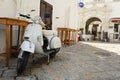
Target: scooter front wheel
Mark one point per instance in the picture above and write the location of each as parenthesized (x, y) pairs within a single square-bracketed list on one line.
[(22, 62)]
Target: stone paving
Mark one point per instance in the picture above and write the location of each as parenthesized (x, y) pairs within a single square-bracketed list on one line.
[(83, 61)]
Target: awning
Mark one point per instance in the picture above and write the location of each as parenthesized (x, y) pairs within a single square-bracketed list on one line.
[(115, 20)]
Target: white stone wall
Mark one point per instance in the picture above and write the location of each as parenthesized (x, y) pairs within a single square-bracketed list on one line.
[(103, 11)]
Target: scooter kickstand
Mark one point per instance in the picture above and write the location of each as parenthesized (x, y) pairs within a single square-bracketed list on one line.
[(48, 59)]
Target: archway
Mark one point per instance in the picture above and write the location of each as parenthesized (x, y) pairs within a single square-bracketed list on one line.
[(95, 24)]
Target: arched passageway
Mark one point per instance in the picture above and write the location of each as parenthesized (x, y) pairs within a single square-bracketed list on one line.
[(92, 25)]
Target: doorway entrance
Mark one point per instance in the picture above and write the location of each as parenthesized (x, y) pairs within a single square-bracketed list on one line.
[(46, 13), (94, 30), (117, 31)]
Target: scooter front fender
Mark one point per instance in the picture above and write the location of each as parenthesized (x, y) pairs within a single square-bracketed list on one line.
[(28, 46)]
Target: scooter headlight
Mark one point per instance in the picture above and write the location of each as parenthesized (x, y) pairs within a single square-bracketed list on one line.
[(37, 19)]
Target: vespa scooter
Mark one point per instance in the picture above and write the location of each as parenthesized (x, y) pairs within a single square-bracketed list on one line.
[(37, 41)]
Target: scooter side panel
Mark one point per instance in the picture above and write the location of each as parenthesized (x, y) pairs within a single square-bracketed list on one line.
[(55, 43)]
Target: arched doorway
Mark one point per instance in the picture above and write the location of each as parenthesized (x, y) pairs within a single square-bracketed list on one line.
[(92, 25)]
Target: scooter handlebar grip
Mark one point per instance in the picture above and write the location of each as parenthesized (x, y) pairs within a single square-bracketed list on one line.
[(26, 16)]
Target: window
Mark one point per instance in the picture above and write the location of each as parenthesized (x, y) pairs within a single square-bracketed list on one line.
[(46, 13)]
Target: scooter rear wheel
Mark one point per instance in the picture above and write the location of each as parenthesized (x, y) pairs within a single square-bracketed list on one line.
[(22, 62), (52, 55)]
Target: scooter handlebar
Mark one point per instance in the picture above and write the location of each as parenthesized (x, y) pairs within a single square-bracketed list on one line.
[(26, 16)]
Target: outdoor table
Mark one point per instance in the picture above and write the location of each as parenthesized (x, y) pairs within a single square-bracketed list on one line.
[(9, 22)]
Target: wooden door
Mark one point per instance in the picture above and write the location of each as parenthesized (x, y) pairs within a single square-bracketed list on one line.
[(46, 13), (94, 30)]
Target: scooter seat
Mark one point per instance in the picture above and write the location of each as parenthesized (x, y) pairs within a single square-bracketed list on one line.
[(49, 32)]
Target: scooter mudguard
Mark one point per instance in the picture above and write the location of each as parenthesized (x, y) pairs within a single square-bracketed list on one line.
[(28, 46)]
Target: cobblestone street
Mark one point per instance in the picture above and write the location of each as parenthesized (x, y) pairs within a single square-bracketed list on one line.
[(83, 61)]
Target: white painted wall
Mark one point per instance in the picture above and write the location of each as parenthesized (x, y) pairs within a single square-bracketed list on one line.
[(50, 1), (7, 9), (25, 7), (66, 10), (61, 10), (114, 14), (73, 17), (115, 9)]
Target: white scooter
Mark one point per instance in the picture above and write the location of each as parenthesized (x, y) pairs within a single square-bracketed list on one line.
[(38, 41)]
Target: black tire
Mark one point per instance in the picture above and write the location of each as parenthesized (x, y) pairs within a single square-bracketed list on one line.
[(22, 62), (52, 55)]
